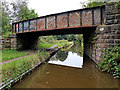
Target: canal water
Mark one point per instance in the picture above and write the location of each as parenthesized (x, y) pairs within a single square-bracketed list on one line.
[(68, 69)]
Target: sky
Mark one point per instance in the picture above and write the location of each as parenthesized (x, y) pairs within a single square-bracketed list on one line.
[(46, 7)]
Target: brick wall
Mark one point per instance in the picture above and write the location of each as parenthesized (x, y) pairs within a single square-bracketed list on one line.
[(13, 41), (105, 36), (112, 14), (4, 43)]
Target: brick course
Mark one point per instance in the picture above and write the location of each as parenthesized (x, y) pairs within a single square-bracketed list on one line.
[(103, 41)]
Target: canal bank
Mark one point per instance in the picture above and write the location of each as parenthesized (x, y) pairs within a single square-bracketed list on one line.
[(55, 75), (9, 79)]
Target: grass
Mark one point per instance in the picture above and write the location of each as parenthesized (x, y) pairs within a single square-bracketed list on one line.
[(63, 43), (59, 43), (44, 45), (11, 54), (16, 68)]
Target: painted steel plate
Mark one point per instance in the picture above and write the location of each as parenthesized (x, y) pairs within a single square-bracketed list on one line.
[(26, 25), (62, 21), (17, 28), (50, 22), (33, 25), (87, 18), (41, 24), (20, 27), (74, 19)]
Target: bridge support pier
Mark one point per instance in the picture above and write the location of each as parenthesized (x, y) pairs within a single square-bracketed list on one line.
[(105, 36), (24, 42)]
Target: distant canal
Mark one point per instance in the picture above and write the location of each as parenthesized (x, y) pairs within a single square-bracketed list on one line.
[(68, 69)]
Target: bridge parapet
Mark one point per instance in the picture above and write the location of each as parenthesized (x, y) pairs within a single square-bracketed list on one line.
[(112, 13), (72, 19)]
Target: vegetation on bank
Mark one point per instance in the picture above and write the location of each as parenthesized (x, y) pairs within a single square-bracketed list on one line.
[(111, 61), (14, 69), (76, 38), (49, 41), (11, 54)]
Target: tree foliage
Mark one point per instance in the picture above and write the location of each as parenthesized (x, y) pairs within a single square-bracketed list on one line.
[(21, 10), (92, 3), (15, 11), (77, 39), (5, 18)]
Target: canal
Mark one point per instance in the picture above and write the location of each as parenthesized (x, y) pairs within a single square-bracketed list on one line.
[(68, 69)]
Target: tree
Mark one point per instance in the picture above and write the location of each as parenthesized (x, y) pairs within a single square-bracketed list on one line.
[(21, 10), (5, 18), (92, 3), (15, 11)]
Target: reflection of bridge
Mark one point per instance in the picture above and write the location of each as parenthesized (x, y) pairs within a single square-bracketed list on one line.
[(83, 21), (87, 17)]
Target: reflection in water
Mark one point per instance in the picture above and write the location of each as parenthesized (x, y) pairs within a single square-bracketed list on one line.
[(72, 60), (68, 58), (61, 55), (77, 49), (57, 76)]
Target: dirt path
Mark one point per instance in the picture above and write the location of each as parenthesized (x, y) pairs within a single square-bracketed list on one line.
[(15, 59), (52, 48), (24, 56)]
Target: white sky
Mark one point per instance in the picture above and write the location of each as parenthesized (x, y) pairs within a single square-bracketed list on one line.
[(46, 7)]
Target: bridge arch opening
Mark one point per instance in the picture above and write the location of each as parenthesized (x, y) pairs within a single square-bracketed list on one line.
[(31, 40)]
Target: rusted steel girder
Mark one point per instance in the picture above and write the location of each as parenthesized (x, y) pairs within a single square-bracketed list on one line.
[(77, 18)]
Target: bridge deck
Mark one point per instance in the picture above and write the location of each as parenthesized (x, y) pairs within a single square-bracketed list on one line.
[(72, 19)]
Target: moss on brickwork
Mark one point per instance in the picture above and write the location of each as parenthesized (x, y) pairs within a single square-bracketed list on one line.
[(117, 5)]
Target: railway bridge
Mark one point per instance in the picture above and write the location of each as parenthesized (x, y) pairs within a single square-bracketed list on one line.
[(100, 27)]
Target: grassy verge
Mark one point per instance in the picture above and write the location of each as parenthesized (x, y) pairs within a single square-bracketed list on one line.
[(10, 54), (59, 43), (63, 43), (45, 45), (16, 68)]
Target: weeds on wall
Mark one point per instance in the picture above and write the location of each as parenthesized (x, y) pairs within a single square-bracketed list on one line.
[(92, 40), (117, 5), (111, 61)]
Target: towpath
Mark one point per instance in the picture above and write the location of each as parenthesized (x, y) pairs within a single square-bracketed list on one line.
[(51, 48)]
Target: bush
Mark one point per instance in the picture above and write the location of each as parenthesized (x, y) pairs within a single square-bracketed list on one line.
[(111, 61)]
